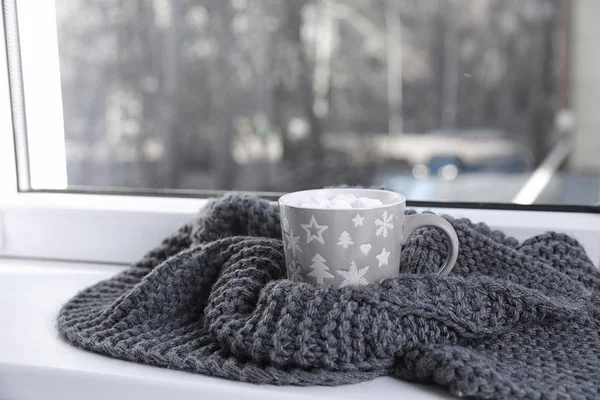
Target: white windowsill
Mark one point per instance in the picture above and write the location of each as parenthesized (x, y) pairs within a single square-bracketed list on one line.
[(120, 229), (35, 363)]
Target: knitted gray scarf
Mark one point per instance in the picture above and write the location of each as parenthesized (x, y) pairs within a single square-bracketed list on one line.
[(513, 320)]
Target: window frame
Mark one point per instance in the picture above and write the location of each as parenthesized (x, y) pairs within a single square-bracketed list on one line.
[(30, 40), (109, 228)]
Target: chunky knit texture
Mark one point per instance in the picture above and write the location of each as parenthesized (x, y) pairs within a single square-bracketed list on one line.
[(513, 320)]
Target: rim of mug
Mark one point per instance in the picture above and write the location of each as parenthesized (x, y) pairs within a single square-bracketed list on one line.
[(285, 199)]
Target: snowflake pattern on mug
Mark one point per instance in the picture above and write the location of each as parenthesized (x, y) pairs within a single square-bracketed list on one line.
[(285, 223), (384, 224), (295, 271), (292, 243), (353, 276)]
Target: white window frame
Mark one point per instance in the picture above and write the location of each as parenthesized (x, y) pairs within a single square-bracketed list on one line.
[(120, 229), (40, 95)]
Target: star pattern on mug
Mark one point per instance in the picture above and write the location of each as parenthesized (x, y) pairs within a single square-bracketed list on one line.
[(383, 257), (314, 231), (358, 220)]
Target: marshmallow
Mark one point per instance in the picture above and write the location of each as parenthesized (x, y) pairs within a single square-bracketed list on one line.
[(347, 198), (365, 202), (342, 201), (317, 202), (322, 202), (336, 203)]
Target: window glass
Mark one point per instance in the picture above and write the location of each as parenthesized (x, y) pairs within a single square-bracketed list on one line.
[(446, 100)]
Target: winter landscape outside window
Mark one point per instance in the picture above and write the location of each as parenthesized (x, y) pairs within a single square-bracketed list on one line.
[(442, 100)]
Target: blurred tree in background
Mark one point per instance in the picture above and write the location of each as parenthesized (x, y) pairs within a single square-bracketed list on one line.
[(248, 94)]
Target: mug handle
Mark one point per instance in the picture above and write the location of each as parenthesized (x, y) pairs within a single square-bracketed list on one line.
[(414, 222)]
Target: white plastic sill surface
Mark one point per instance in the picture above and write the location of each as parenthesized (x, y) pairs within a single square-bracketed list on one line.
[(35, 363)]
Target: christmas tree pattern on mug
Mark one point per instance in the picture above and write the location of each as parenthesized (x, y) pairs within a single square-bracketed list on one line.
[(345, 240), (384, 224), (295, 271), (314, 231), (319, 269), (353, 276)]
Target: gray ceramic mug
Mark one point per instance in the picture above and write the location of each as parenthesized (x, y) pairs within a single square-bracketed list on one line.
[(357, 246)]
